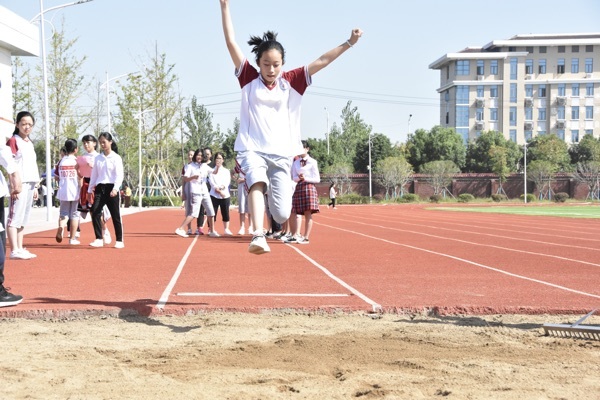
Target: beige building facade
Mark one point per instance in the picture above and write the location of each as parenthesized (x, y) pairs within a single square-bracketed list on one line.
[(525, 86)]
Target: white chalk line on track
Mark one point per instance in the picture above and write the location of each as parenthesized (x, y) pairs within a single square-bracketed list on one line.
[(463, 260), (167, 292)]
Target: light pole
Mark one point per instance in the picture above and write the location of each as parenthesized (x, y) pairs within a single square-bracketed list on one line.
[(409, 117), (139, 116), (46, 106), (108, 96), (369, 168), (525, 172), (327, 131)]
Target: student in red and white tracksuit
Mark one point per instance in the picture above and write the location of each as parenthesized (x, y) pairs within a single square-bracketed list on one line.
[(269, 132)]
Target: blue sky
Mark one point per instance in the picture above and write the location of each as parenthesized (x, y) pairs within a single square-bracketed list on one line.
[(401, 38)]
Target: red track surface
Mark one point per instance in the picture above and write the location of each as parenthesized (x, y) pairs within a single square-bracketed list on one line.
[(396, 258)]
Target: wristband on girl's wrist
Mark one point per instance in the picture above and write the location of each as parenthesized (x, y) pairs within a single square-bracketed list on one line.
[(348, 43)]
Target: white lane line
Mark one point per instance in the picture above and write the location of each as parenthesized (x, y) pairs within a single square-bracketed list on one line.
[(469, 262), (265, 294), (375, 306), (165, 296)]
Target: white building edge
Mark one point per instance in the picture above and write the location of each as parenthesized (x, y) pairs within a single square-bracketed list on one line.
[(525, 86), (18, 37)]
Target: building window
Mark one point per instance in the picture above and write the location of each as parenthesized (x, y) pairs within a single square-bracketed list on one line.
[(529, 114), (462, 116), (560, 67), (541, 91), (575, 65), (493, 114), (575, 90), (529, 67), (528, 90), (541, 114), (529, 49), (542, 49), (462, 67), (512, 48), (561, 134), (513, 92), (562, 89), (528, 135), (447, 117), (513, 68), (512, 116), (589, 112), (541, 66), (589, 90), (575, 112), (589, 65), (494, 91), (480, 91), (462, 94), (480, 67), (561, 49), (589, 132), (448, 72), (575, 135), (479, 114), (464, 132), (513, 135), (447, 96), (575, 49), (560, 112), (589, 48), (494, 67)]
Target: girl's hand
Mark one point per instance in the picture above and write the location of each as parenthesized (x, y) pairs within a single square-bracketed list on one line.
[(355, 35), (113, 193)]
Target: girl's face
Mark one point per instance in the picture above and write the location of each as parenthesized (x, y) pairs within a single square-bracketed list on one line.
[(270, 64), (219, 160), (104, 144), (89, 146), (207, 156), (25, 126), (190, 156), (199, 158)]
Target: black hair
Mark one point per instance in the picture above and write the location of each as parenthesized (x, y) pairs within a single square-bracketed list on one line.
[(90, 138), (198, 151), (70, 146), (267, 42), (109, 137), (20, 116), (220, 153), (305, 144)]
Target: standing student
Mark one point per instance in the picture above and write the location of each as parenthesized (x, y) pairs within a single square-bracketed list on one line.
[(196, 175), (6, 160), (68, 192), (242, 200), (269, 132), (332, 195), (305, 172), (185, 190), (206, 159), (220, 179), (20, 206), (107, 178)]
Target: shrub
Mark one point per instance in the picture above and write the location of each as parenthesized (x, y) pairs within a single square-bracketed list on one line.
[(352, 199), (498, 197), (530, 198), (408, 198), (561, 197), (156, 201), (436, 198), (465, 197)]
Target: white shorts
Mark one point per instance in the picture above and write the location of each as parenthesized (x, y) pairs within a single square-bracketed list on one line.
[(18, 213), (68, 209), (198, 200), (275, 171)]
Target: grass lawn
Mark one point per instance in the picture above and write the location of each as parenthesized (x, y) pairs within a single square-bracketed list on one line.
[(568, 211)]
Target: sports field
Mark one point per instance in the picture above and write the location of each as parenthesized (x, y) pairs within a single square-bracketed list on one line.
[(568, 211), (396, 301)]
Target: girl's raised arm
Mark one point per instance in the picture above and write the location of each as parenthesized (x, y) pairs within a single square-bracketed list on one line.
[(234, 50), (334, 53)]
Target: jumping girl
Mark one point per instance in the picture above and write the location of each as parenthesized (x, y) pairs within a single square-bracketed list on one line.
[(269, 132)]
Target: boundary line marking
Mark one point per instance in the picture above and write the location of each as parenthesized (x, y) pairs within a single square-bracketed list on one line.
[(469, 262), (264, 294), (167, 292), (375, 306)]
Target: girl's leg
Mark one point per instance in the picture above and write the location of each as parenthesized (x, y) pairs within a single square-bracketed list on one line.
[(256, 203), (308, 223), (113, 204)]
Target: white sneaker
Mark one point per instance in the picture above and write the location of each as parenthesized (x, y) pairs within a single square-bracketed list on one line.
[(97, 243), (107, 238), (181, 233), (119, 245), (19, 255), (241, 231), (227, 232), (27, 253), (77, 234), (74, 241), (259, 245), (214, 234)]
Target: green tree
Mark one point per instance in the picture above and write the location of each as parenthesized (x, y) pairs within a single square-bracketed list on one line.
[(23, 89), (541, 173), (588, 149), (552, 149), (439, 144), (381, 148), (588, 173), (394, 173), (479, 159), (439, 174), (498, 159), (200, 132), (340, 173), (354, 131)]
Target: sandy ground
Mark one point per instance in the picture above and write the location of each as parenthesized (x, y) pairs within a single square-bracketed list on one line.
[(296, 356)]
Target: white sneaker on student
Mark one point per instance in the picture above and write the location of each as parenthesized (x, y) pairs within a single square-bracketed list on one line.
[(259, 245), (119, 245), (181, 233), (97, 243), (107, 238)]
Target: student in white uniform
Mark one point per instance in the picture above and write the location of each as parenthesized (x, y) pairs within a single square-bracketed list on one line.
[(68, 192)]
